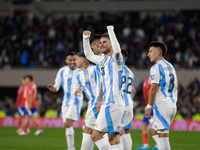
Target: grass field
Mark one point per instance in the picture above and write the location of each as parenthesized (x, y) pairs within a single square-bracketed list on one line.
[(54, 139)]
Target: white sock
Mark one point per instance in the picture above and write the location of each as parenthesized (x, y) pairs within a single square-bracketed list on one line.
[(69, 132), (92, 147), (155, 137), (117, 147), (129, 142), (87, 142), (103, 144), (124, 141), (163, 143)]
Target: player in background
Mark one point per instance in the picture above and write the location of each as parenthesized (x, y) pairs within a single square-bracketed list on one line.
[(95, 46), (162, 95), (19, 106), (32, 97), (109, 118), (71, 104), (127, 89), (87, 80), (145, 122)]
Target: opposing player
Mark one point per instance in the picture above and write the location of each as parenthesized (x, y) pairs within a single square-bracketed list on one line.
[(145, 122), (20, 106), (71, 104), (87, 80), (127, 88), (32, 98), (162, 95), (109, 118)]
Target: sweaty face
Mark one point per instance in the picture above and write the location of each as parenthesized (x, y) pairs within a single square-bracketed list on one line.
[(105, 45), (78, 61), (153, 54), (70, 60)]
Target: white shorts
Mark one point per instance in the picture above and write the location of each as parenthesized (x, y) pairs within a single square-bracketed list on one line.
[(90, 118), (162, 119), (128, 117), (71, 112), (109, 119)]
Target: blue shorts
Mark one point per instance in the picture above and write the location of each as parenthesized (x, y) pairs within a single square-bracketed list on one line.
[(33, 110), (22, 111), (145, 120)]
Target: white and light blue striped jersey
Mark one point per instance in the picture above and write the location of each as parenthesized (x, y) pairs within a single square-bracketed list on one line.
[(66, 77), (127, 86), (87, 80), (111, 77), (164, 74)]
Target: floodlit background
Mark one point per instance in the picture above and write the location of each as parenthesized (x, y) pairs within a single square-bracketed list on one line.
[(35, 36)]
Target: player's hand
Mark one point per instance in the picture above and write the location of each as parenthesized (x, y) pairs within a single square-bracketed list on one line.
[(110, 27), (87, 33), (148, 113), (78, 92), (51, 88)]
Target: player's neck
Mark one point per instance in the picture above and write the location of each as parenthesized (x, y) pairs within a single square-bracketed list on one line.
[(159, 58), (84, 67), (108, 54)]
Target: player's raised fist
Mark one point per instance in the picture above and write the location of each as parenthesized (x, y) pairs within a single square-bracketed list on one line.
[(87, 33)]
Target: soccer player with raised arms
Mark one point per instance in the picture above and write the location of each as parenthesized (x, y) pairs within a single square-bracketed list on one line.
[(162, 95), (112, 109), (71, 104)]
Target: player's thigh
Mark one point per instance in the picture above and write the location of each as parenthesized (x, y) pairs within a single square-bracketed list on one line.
[(163, 119), (90, 118), (128, 117)]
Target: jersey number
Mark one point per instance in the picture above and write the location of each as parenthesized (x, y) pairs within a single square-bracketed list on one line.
[(102, 71), (126, 89), (171, 85)]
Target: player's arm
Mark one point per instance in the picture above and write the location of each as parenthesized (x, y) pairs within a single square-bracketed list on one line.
[(30, 100), (115, 45), (56, 86), (18, 97), (77, 89), (87, 49), (155, 77)]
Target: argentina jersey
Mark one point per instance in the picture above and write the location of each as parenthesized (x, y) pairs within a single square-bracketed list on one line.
[(127, 86), (66, 77), (164, 74), (111, 77), (87, 80)]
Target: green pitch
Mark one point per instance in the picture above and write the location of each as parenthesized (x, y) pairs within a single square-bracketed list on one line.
[(54, 139)]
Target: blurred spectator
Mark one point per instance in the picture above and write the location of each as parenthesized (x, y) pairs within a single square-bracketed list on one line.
[(44, 43)]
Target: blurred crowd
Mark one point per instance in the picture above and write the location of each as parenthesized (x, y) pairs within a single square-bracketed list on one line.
[(33, 42), (49, 104)]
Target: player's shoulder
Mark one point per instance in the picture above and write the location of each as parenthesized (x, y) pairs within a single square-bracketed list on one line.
[(63, 68)]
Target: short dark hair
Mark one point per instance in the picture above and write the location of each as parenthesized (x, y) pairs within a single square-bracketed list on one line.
[(94, 38), (71, 53), (105, 35), (124, 53), (30, 77), (161, 45), (81, 54)]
